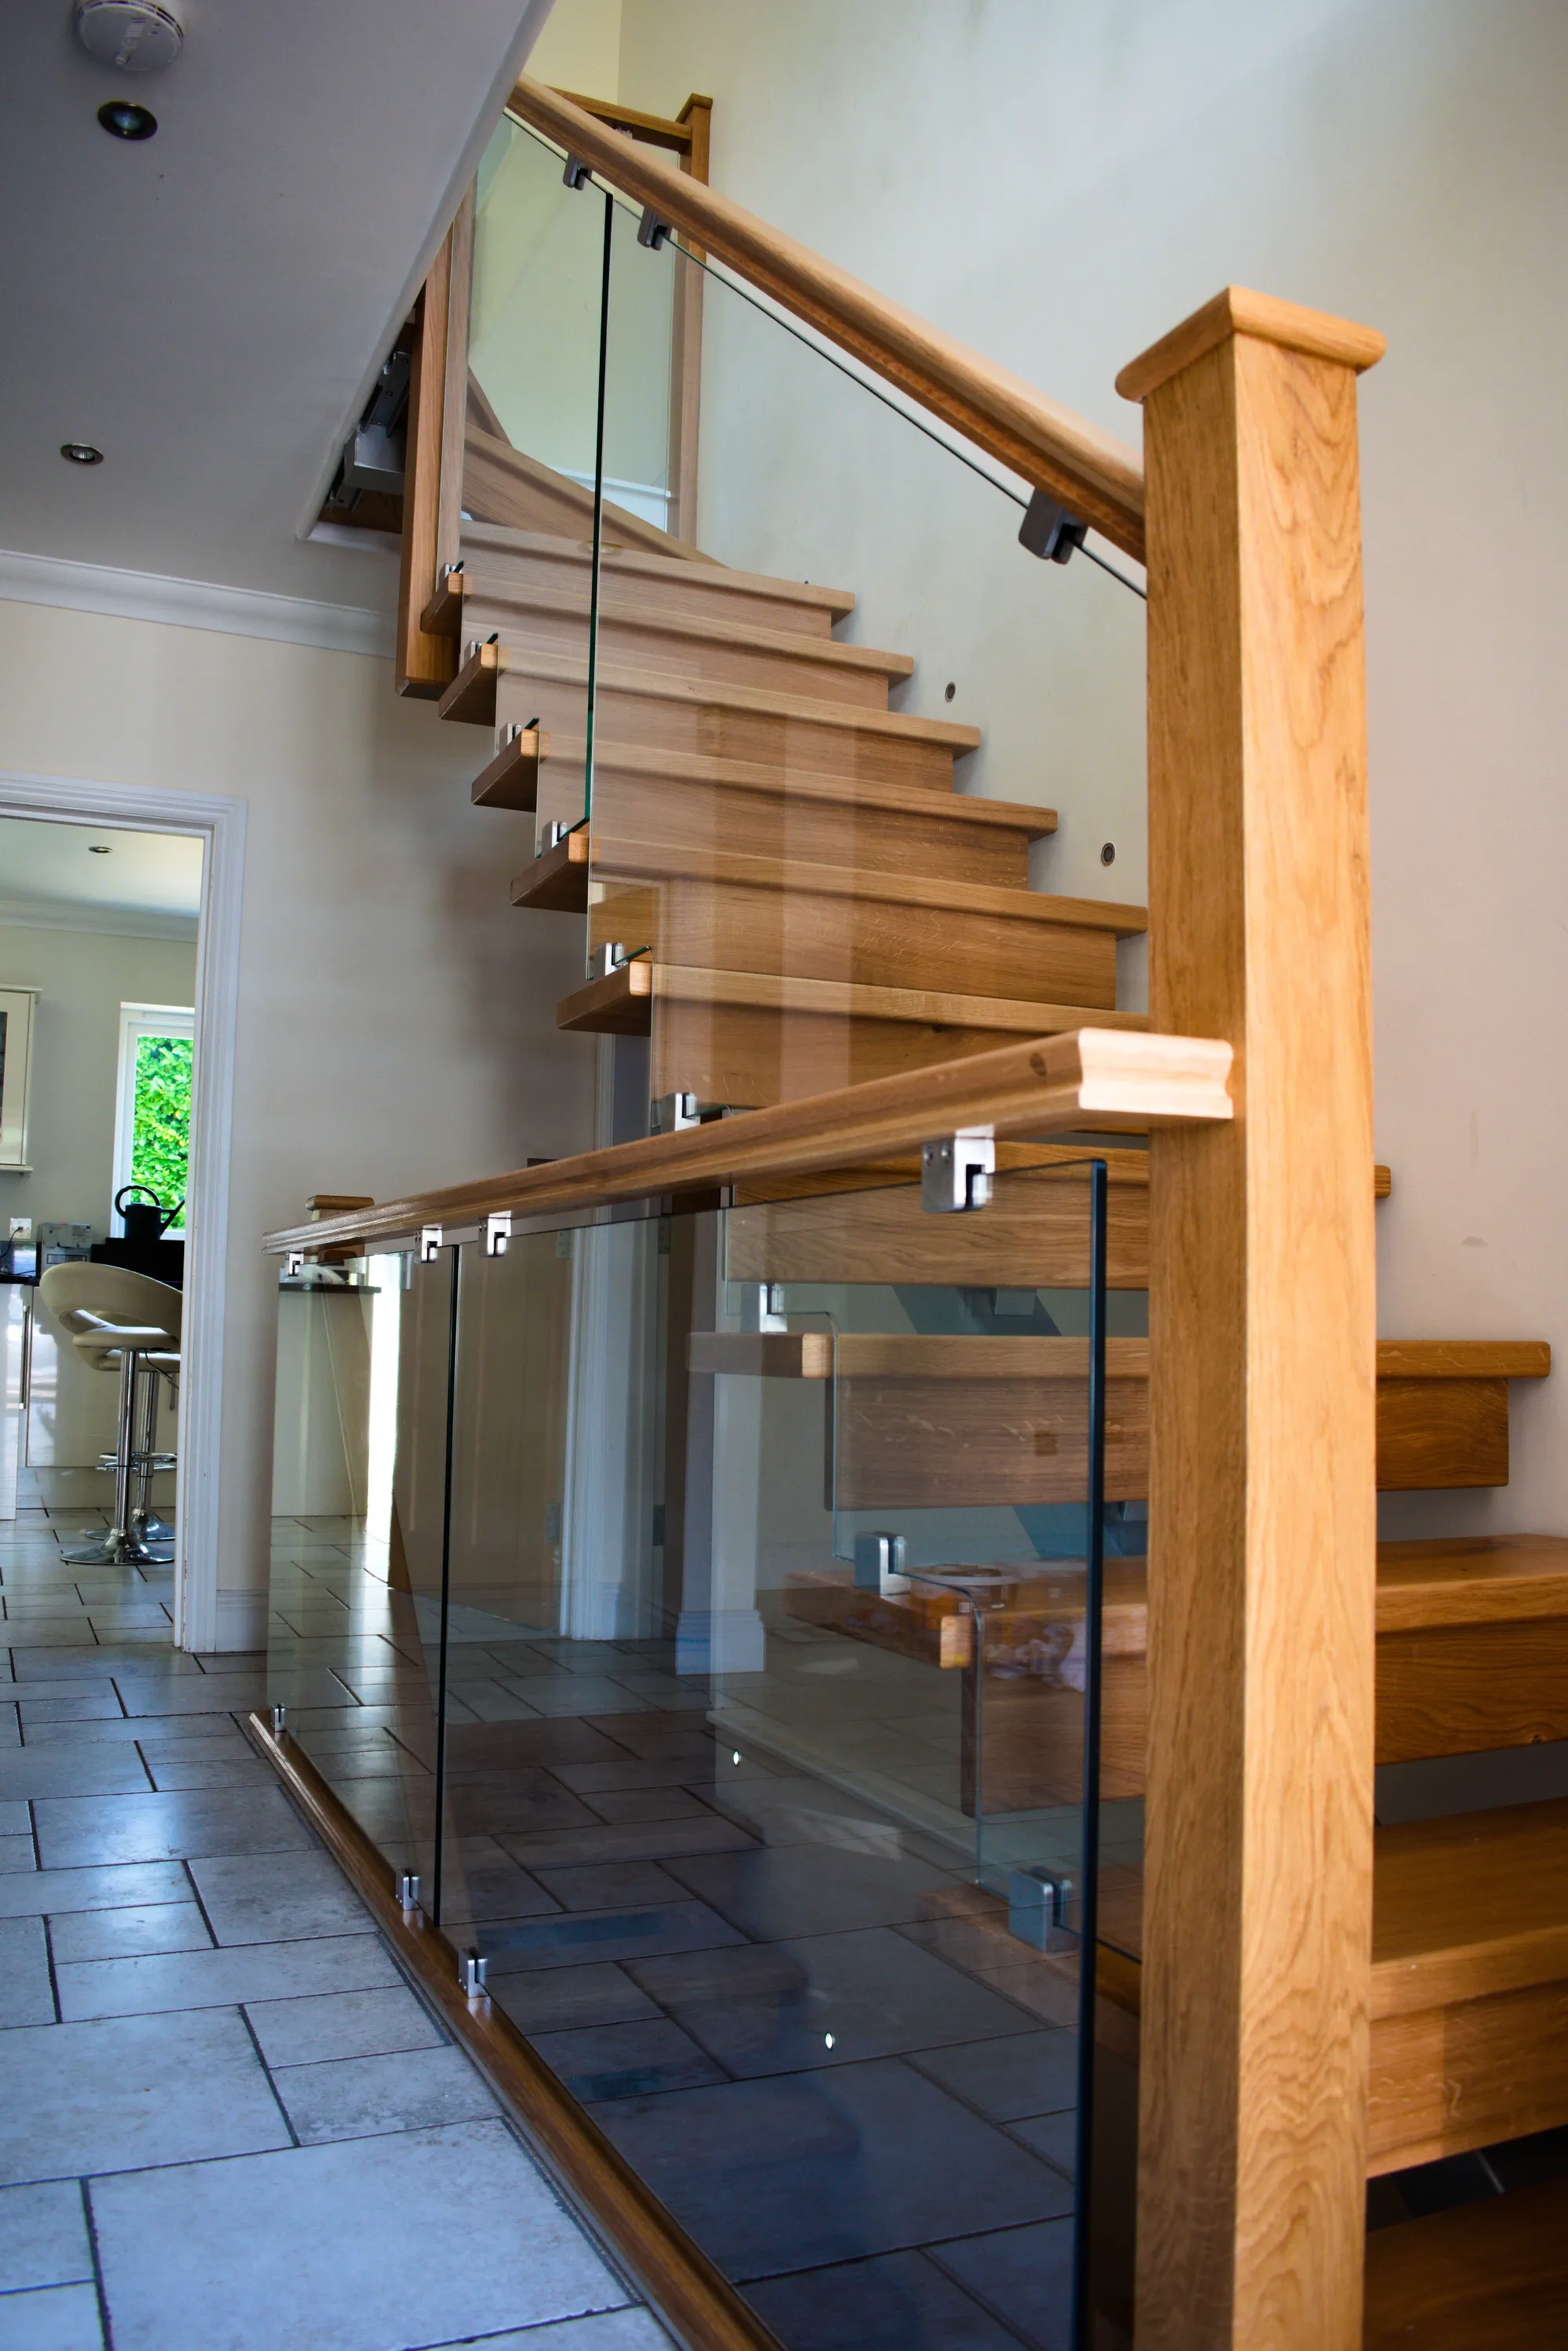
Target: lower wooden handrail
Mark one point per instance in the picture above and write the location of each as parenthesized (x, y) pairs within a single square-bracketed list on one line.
[(1089, 1080)]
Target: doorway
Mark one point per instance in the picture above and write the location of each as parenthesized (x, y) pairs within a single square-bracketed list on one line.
[(119, 939)]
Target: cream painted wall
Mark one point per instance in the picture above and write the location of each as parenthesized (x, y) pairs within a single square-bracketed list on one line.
[(83, 976), (394, 1021), (1059, 185), (579, 49)]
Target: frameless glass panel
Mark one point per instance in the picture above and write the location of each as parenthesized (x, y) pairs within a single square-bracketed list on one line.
[(358, 1534), (823, 806), (765, 1777)]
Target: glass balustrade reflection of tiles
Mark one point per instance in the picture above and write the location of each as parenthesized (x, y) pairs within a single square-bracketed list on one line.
[(764, 1768), (359, 1501)]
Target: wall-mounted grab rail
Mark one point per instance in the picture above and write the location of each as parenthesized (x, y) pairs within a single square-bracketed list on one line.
[(1098, 477), (1096, 1080)]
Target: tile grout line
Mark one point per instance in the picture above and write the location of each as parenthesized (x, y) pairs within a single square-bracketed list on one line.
[(106, 2324)]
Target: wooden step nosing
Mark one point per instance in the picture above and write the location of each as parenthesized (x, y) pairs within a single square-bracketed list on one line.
[(644, 562), (858, 1000), (1454, 1974), (797, 877), (826, 652), (762, 702), (651, 763)]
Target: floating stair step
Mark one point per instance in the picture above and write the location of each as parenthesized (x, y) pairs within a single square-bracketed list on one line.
[(1488, 2276), (1008, 1416), (690, 801), (558, 881), (871, 1227), (663, 583), (656, 710), (1518, 1694), (753, 1038), (638, 637), (720, 912), (511, 780), (471, 696)]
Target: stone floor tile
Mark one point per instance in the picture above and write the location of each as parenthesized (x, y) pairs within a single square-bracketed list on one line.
[(611, 1885), (270, 1898), (107, 1888), (129, 2091), (567, 1941), (608, 2330), (15, 1818), (201, 1694), (900, 2302), (56, 2319), (805, 1889), (554, 1998), (17, 1856), (1025, 2275), (796, 2171), (360, 2097), (96, 1702), (1053, 2136), (311, 2030), (626, 2061), (26, 1996), (1035, 2074), (420, 2237), (77, 1830), (131, 1933), (214, 1979), (663, 1840), (43, 2236), (210, 1771), (96, 1771)]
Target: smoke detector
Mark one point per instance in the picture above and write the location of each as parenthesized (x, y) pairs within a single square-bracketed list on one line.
[(141, 36)]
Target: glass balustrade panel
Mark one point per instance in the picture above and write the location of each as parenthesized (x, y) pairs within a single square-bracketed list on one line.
[(764, 1771), (358, 1535)]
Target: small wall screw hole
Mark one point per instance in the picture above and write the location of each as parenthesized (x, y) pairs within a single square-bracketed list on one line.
[(1108, 854)]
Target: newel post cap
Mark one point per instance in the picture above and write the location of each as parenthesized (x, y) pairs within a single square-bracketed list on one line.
[(1236, 310)]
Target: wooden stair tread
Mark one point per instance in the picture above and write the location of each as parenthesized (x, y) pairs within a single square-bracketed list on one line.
[(1487, 2276), (666, 685), (603, 1002), (1468, 1906), (480, 540), (664, 862), (1480, 1579), (558, 881), (830, 653), (614, 758)]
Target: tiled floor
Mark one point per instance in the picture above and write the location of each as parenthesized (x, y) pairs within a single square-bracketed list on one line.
[(225, 2121), (758, 1959)]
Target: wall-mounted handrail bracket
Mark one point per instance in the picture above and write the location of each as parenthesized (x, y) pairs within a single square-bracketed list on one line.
[(1049, 530), (956, 1171)]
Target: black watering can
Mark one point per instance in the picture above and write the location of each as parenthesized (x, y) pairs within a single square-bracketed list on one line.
[(144, 1225)]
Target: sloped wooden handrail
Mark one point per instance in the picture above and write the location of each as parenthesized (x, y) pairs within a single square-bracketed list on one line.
[(1092, 472), (1098, 1080)]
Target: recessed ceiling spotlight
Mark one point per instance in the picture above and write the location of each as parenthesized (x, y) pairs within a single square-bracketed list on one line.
[(139, 36), (80, 452), (123, 121), (98, 849)]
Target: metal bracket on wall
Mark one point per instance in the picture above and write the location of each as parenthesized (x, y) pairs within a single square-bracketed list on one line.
[(577, 174), (429, 1244), (653, 230), (1048, 531), (956, 1171), (497, 1232)]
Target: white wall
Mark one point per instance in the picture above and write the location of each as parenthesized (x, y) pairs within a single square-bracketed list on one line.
[(83, 977), (395, 1026), (1059, 185), (579, 49)]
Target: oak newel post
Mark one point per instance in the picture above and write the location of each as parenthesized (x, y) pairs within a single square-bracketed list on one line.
[(1262, 1565)]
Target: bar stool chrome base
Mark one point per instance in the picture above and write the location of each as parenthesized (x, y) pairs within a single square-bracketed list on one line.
[(120, 1549)]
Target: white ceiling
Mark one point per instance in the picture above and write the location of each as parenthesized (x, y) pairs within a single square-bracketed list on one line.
[(209, 306), (150, 882)]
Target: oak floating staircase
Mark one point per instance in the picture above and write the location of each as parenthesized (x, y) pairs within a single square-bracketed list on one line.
[(810, 901)]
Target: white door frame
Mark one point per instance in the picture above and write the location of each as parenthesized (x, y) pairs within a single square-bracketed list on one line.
[(219, 823)]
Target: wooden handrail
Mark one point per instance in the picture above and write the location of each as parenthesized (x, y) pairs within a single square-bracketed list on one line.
[(1098, 1080), (1092, 472)]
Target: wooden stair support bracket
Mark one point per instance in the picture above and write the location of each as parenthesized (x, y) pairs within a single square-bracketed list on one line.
[(1253, 2083)]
